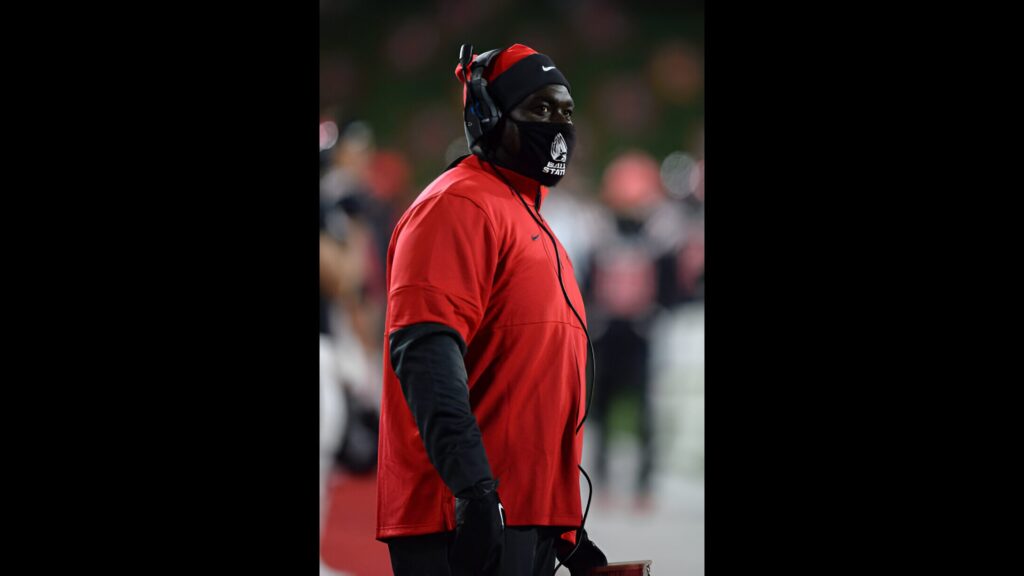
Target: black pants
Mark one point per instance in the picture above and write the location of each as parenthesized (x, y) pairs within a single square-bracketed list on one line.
[(529, 551)]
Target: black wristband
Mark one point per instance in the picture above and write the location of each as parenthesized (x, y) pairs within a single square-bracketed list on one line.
[(479, 490)]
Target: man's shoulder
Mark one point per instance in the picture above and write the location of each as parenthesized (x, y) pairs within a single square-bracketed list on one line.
[(464, 191), (456, 197), (469, 182)]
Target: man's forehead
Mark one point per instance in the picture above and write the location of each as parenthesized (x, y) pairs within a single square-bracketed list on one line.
[(553, 93)]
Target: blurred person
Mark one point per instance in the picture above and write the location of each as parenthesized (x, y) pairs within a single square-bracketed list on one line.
[(486, 349), (350, 214), (632, 279), (363, 182), (348, 395)]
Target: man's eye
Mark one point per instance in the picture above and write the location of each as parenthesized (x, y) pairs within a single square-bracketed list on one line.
[(543, 109)]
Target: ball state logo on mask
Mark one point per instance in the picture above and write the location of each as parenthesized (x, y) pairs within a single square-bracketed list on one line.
[(559, 150)]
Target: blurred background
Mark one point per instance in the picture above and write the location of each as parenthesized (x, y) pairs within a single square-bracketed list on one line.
[(630, 212)]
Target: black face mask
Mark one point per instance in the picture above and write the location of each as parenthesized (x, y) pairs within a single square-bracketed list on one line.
[(545, 149)]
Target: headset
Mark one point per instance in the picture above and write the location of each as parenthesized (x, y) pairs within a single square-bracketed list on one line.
[(481, 112), (481, 116)]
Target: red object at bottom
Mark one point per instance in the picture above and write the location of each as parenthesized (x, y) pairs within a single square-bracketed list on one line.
[(641, 568)]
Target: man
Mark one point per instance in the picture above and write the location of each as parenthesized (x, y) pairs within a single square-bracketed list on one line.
[(485, 348)]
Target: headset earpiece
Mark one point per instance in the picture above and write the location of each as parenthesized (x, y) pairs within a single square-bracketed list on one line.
[(481, 113)]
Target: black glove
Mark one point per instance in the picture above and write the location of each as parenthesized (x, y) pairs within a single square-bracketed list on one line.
[(479, 531), (587, 556)]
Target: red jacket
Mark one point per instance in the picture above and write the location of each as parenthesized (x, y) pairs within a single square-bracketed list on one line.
[(468, 255)]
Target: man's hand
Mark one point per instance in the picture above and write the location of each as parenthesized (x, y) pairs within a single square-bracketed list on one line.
[(587, 556), (479, 532)]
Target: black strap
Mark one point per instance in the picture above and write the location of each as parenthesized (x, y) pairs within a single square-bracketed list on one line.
[(456, 162)]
